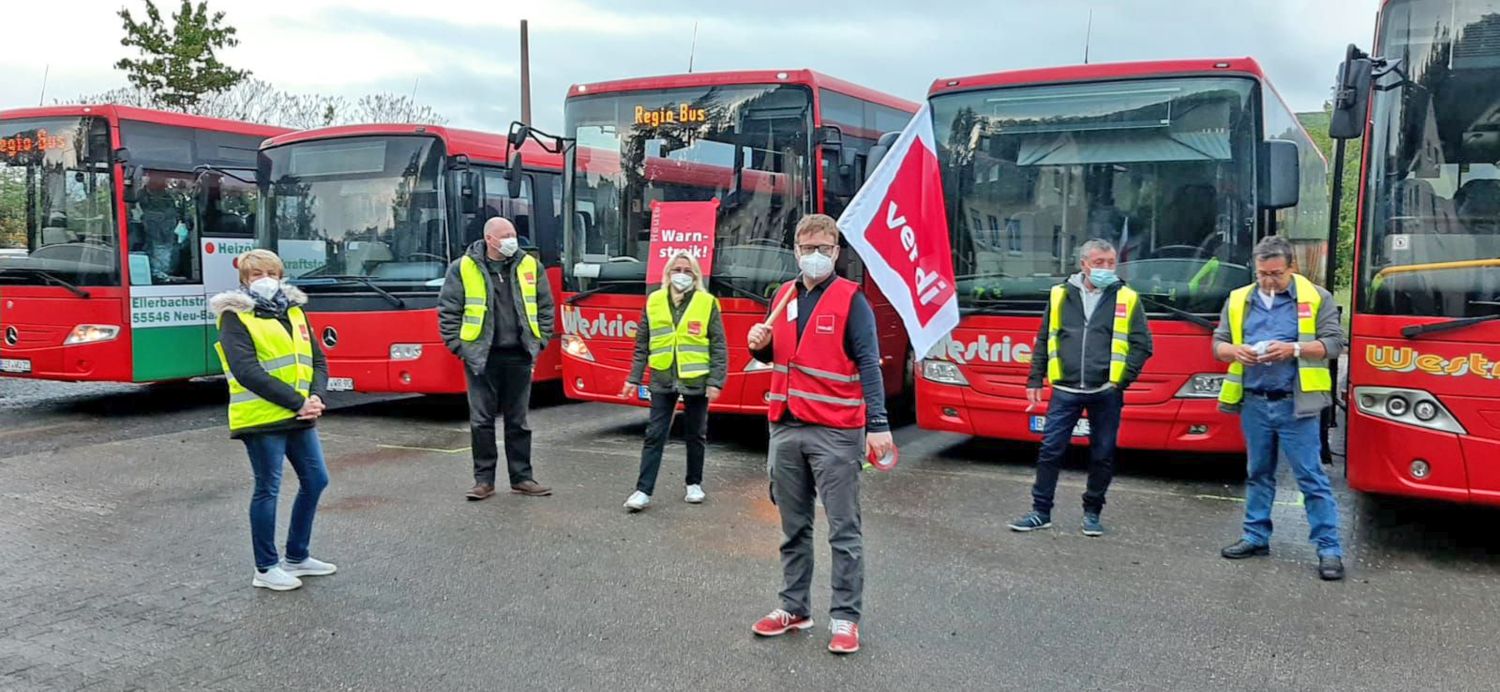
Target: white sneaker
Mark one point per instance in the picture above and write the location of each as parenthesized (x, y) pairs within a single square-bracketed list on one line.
[(694, 494), (275, 579), (638, 501), (309, 568)]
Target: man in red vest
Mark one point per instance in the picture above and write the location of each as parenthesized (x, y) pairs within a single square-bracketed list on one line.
[(827, 411)]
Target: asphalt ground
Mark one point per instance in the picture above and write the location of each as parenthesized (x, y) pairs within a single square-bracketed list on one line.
[(125, 564)]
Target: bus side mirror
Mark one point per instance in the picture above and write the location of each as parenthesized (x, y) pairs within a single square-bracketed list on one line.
[(1279, 174), (829, 137), (468, 196), (878, 152), (1351, 98), (513, 174)]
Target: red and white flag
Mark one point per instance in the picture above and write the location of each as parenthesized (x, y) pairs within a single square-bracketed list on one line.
[(898, 225)]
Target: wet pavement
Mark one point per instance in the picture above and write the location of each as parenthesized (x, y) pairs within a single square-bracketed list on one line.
[(124, 564)]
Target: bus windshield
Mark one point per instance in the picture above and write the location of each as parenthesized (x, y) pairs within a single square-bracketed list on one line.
[(1431, 242), (57, 213), (745, 146), (1163, 169), (364, 207)]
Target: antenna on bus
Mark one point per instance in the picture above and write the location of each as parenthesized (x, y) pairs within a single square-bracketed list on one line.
[(46, 72), (1088, 36), (525, 73), (694, 49)]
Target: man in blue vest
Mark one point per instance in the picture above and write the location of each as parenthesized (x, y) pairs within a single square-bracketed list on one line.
[(495, 313), (1278, 335)]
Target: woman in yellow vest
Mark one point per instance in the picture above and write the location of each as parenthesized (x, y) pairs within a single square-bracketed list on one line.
[(681, 338), (276, 376)]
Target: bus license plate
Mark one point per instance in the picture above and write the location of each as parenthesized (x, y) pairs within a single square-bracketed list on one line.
[(644, 392), (340, 384), (1080, 429), (19, 366)]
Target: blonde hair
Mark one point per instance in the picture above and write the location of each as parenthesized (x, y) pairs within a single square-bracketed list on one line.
[(259, 259), (666, 270), (818, 223)]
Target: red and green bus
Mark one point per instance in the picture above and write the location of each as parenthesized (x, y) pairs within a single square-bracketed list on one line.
[(116, 224), (769, 146), (1424, 357), (1182, 165), (367, 219)]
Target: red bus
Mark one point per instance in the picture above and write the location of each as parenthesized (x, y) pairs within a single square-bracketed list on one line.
[(1424, 351), (116, 223), (1182, 165), (367, 219), (770, 146)]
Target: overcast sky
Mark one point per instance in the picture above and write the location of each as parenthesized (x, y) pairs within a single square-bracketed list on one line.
[(462, 57)]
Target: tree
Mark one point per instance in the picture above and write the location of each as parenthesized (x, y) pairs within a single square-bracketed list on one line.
[(178, 64)]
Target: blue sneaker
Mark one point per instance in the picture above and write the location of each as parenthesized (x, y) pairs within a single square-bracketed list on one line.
[(1032, 521), (1091, 525)]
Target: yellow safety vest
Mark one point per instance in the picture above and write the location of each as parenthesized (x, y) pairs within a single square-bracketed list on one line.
[(1312, 375), (1126, 301), (685, 342), (477, 293), (288, 357)]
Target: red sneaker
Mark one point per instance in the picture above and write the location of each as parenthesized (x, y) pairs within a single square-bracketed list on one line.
[(780, 622), (845, 637)]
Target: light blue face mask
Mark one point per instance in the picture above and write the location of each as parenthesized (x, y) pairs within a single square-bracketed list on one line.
[(1102, 278)]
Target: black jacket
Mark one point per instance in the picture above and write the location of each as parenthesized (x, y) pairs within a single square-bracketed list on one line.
[(239, 351), (451, 311), (665, 381), (1085, 349)]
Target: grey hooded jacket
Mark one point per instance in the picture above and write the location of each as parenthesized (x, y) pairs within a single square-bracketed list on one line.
[(451, 311)]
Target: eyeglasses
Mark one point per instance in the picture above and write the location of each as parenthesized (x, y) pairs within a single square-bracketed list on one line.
[(825, 250), (1271, 275)]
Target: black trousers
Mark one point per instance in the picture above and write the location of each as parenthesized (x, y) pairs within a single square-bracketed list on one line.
[(503, 388), (694, 433)]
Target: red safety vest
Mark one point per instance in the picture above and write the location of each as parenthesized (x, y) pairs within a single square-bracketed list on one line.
[(813, 377)]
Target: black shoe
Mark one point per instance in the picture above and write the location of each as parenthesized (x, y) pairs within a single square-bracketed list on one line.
[(1330, 568), (1243, 549)]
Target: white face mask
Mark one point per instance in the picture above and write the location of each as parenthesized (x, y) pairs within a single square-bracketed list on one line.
[(508, 246), (682, 282), (816, 265), (265, 287)]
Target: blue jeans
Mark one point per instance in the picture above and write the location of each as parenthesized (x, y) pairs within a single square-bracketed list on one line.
[(1270, 425), (1104, 426), (267, 450)]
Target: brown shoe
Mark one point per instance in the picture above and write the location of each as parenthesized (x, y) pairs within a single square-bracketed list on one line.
[(480, 491), (531, 488)]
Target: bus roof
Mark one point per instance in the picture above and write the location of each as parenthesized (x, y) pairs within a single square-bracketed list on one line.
[(478, 146), (811, 78), (117, 113), (1100, 72)]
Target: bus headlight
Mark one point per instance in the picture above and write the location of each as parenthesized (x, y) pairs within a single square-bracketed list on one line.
[(1409, 406), (1202, 386), (91, 334), (406, 351), (574, 346), (943, 372), (757, 366)]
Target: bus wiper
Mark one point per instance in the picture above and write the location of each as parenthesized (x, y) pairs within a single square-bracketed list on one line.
[(1415, 331), (752, 295), (355, 278), (1193, 317), (602, 287), (49, 278)]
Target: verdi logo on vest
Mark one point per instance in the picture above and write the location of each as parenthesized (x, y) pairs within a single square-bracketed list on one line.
[(898, 226)]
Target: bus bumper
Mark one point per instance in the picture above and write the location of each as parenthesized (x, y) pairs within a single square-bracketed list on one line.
[(1186, 425), (1383, 458), (585, 380)]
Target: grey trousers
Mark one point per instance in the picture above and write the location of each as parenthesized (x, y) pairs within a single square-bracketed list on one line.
[(807, 461)]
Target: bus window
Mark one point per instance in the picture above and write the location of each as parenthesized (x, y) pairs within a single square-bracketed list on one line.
[(56, 206), (497, 202), (162, 231)]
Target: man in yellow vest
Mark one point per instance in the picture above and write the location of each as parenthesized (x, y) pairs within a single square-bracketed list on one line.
[(1278, 335), (495, 313), (1092, 344)]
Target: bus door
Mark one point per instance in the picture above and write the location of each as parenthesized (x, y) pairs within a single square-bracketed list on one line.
[(227, 203), (168, 304)]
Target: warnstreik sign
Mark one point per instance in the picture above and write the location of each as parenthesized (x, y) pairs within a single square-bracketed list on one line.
[(681, 227)]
